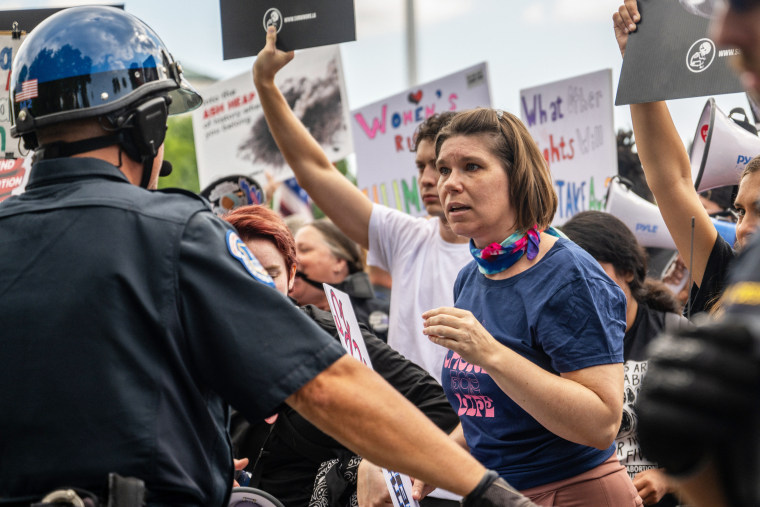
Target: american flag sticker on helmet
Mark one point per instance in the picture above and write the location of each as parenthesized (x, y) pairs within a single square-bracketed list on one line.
[(28, 90)]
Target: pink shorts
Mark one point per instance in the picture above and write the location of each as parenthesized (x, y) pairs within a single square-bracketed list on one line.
[(605, 485)]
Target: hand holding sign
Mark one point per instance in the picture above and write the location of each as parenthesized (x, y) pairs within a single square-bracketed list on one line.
[(270, 60), (624, 22)]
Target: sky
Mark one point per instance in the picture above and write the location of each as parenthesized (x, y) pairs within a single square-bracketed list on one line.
[(525, 42)]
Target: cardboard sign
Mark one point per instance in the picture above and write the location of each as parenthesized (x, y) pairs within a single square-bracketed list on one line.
[(9, 147), (27, 19), (384, 134), (300, 24), (231, 133), (670, 56), (348, 327), (14, 173), (571, 120), (400, 487)]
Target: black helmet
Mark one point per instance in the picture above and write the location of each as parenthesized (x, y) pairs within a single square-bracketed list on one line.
[(90, 61)]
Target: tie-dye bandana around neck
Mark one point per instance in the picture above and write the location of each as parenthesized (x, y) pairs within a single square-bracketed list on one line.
[(498, 257)]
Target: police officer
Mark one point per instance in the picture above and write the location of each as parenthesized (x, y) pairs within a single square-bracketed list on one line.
[(132, 317)]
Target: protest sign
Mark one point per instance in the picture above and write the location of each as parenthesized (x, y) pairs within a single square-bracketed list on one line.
[(231, 133), (9, 44), (399, 485), (348, 327), (670, 55), (300, 24), (571, 121), (28, 19), (14, 173), (384, 134)]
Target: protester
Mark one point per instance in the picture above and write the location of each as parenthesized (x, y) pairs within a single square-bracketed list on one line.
[(422, 255), (698, 410), (288, 452), (326, 255), (668, 173), (650, 308), (546, 413), (132, 317)]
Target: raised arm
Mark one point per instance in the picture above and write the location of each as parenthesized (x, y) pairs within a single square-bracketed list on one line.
[(384, 427), (341, 201), (666, 165)]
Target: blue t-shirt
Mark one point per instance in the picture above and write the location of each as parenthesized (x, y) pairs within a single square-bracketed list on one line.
[(563, 314)]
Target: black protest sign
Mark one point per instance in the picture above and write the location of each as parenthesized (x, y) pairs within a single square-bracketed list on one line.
[(27, 19), (671, 56), (300, 24)]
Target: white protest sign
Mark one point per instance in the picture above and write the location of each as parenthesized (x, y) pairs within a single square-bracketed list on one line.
[(571, 120), (352, 340), (348, 327), (383, 134), (231, 133), (400, 487), (9, 147)]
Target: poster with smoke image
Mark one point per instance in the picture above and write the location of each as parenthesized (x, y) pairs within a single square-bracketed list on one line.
[(231, 133)]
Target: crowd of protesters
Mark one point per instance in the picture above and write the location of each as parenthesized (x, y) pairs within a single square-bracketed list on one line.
[(154, 353)]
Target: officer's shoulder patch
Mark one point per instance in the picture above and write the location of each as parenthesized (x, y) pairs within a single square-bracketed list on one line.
[(240, 251)]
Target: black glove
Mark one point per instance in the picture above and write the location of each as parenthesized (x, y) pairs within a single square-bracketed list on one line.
[(492, 491), (699, 401)]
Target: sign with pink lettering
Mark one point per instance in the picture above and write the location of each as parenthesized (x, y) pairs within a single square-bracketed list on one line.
[(231, 133), (348, 327), (384, 134), (571, 120), (399, 485)]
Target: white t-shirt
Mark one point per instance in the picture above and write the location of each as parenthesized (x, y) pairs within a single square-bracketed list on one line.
[(423, 267)]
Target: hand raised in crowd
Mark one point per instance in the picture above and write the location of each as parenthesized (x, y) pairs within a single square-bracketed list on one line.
[(624, 22), (460, 331), (270, 59), (652, 485)]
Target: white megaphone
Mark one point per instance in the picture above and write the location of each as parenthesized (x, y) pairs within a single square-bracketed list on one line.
[(722, 147), (641, 216), (645, 221)]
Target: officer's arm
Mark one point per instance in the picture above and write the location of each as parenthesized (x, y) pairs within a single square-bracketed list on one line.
[(345, 204), (666, 165), (357, 407)]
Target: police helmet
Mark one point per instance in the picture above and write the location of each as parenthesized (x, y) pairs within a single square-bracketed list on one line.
[(92, 61)]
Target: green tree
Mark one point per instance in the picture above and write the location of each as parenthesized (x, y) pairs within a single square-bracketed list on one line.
[(179, 149)]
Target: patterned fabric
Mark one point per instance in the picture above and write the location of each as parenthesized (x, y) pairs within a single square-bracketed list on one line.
[(335, 484), (498, 257)]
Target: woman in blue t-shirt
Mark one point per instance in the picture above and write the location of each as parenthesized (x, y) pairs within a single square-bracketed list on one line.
[(535, 366)]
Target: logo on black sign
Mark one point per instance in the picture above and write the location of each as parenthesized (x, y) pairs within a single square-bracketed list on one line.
[(701, 55), (273, 17)]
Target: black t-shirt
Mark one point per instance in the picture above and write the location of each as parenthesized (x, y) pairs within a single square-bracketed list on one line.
[(130, 320), (714, 281), (292, 449)]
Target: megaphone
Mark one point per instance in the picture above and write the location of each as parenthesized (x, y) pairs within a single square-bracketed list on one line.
[(722, 147), (641, 216), (645, 221)]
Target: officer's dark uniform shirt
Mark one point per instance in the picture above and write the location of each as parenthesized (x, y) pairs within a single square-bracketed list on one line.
[(742, 297), (130, 319)]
